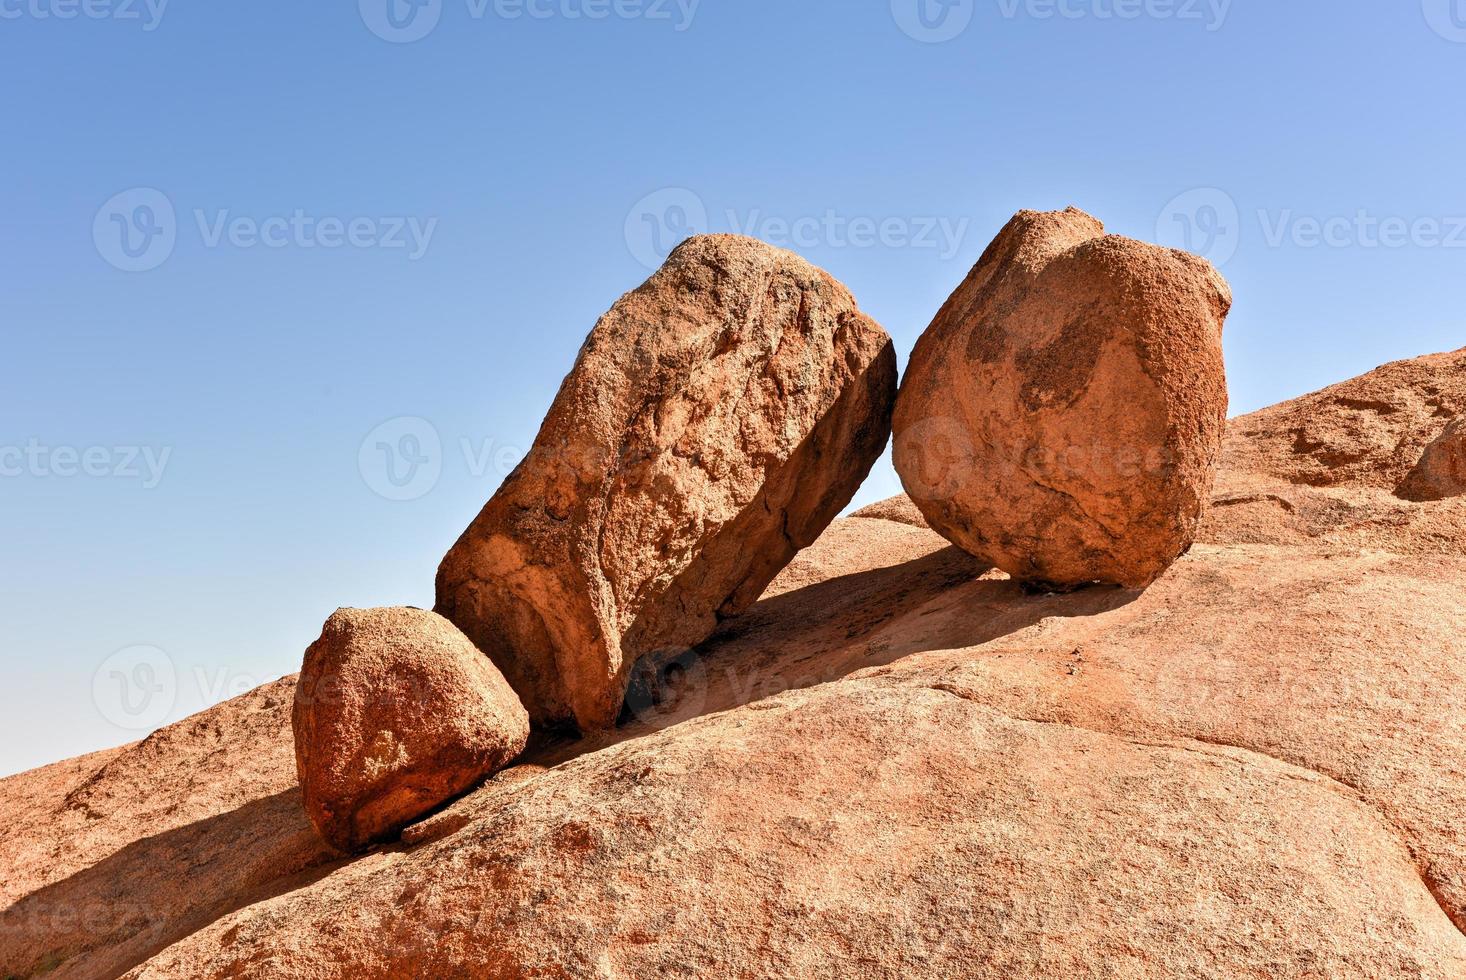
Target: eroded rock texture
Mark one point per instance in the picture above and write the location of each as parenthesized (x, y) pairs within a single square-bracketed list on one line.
[(716, 421), (396, 713), (1062, 416), (933, 836), (1441, 472), (898, 763), (1372, 462), (1369, 431)]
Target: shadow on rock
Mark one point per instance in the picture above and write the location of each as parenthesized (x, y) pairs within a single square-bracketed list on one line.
[(824, 632), (104, 920)]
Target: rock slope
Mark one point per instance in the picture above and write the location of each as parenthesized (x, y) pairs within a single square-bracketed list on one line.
[(1328, 469), (898, 763)]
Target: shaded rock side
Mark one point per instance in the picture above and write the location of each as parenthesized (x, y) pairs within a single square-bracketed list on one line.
[(1441, 472)]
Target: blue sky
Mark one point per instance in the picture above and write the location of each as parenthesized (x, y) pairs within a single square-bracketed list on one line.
[(351, 227)]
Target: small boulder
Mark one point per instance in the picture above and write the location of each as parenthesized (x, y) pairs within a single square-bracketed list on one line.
[(1063, 415), (1441, 472), (396, 712), (718, 418), (899, 509)]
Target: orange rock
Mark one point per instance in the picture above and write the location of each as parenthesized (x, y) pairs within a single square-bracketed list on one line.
[(1062, 416), (113, 855), (396, 712), (897, 763), (1369, 431), (1365, 463), (716, 421), (874, 828), (899, 509), (1441, 472)]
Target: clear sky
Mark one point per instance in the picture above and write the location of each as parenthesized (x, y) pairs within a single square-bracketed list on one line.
[(256, 252)]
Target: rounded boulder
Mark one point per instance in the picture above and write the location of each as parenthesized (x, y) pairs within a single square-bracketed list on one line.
[(396, 713), (1063, 415)]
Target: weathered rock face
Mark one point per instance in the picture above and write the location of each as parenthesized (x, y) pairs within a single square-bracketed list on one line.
[(897, 764), (1250, 769), (110, 857), (1441, 472), (396, 712), (932, 837), (1369, 431), (1062, 416), (898, 509), (716, 421), (1365, 463)]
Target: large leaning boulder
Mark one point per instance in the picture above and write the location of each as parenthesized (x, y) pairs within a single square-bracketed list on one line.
[(396, 713), (1063, 415), (717, 419)]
